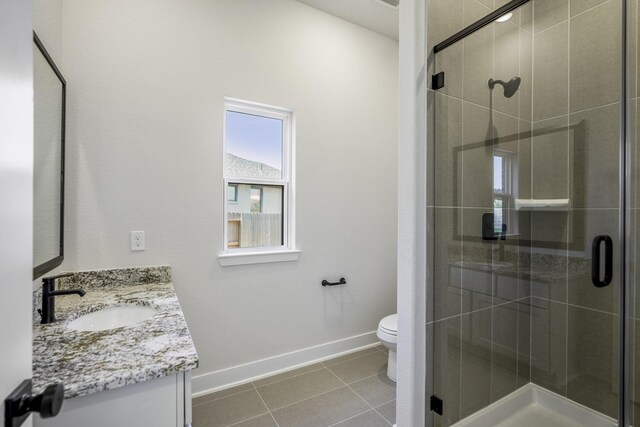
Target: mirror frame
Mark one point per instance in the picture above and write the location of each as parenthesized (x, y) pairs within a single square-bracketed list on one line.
[(577, 239), (47, 266)]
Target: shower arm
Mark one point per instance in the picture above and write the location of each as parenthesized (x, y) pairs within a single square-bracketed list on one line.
[(492, 83)]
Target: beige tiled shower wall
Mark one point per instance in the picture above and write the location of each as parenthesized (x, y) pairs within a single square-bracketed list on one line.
[(576, 86), (504, 313)]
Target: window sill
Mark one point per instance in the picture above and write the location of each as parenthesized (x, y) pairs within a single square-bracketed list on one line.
[(262, 257)]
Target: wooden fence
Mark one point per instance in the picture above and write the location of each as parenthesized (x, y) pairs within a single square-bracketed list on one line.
[(250, 230)]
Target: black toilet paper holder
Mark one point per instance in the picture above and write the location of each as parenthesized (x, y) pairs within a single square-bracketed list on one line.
[(342, 281)]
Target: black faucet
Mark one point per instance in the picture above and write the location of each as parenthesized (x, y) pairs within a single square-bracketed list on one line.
[(48, 297)]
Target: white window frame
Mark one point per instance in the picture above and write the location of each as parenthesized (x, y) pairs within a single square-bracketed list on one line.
[(508, 193), (287, 251)]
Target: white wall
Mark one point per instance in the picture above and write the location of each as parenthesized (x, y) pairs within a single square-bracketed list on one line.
[(16, 194), (47, 23), (413, 367), (146, 83)]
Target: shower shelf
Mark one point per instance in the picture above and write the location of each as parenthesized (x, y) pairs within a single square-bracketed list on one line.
[(542, 204)]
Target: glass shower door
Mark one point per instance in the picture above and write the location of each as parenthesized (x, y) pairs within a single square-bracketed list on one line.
[(524, 169)]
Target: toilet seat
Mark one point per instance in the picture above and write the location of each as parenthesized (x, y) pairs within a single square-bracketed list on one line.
[(389, 325)]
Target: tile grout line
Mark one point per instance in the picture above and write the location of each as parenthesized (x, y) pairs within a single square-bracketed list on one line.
[(248, 419), (366, 378), (533, 75), (388, 401), (284, 379), (478, 310), (360, 397), (518, 320), (571, 113), (570, 217), (584, 110), (475, 104), (462, 99), (253, 384), (351, 417), (349, 354), (357, 415), (265, 404), (255, 388), (576, 306), (480, 208), (460, 224), (305, 399), (322, 362), (494, 280), (349, 360), (270, 411), (569, 17), (382, 404), (478, 2), (372, 407), (222, 397), (380, 349), (288, 378), (634, 92)]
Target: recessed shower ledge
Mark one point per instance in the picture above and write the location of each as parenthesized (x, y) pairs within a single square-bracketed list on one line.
[(258, 257)]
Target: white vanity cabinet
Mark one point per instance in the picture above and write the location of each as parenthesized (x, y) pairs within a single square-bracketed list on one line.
[(163, 402), (127, 374), (483, 284)]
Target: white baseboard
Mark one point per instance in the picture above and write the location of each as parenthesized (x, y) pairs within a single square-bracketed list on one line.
[(219, 380)]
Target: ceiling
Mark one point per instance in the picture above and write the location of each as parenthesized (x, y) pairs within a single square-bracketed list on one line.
[(371, 14)]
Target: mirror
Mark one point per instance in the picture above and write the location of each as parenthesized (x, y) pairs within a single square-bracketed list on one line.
[(501, 169), (49, 90)]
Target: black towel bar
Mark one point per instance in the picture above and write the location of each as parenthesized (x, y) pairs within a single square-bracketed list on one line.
[(341, 282)]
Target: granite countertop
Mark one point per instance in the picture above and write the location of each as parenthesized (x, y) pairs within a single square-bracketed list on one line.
[(89, 362)]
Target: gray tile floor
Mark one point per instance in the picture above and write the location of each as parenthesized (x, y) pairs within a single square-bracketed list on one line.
[(348, 391)]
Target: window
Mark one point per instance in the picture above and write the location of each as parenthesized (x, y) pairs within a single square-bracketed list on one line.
[(258, 181), (504, 186), (232, 193)]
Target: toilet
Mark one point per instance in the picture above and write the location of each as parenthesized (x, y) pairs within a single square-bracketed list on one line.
[(388, 335)]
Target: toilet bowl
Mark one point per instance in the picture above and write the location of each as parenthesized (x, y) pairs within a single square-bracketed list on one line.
[(388, 335)]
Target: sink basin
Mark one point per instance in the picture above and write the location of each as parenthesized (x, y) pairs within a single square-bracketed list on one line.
[(111, 318)]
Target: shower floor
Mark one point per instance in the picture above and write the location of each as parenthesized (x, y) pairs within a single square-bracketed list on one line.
[(534, 406), (535, 416)]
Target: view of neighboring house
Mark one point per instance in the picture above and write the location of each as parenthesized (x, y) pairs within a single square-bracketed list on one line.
[(254, 211), (237, 166)]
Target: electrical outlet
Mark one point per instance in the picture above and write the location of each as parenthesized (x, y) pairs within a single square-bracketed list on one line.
[(137, 240)]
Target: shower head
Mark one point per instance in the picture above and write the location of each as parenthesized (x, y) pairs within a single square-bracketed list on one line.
[(510, 87)]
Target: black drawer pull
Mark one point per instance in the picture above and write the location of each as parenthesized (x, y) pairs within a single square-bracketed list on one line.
[(595, 261)]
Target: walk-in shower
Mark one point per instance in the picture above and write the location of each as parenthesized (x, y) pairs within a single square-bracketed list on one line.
[(532, 213)]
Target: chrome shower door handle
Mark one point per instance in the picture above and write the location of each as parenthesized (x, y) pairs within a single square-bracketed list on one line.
[(596, 247)]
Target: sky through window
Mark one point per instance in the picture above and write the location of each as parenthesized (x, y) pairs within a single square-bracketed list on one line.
[(255, 138)]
